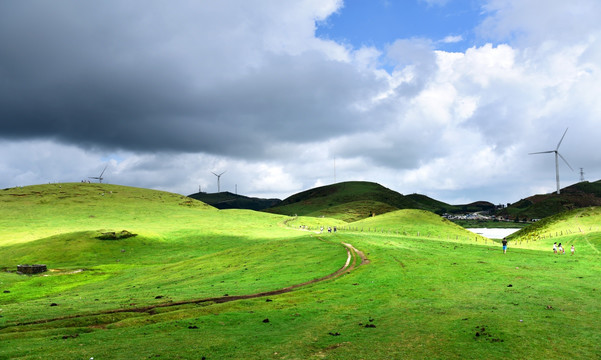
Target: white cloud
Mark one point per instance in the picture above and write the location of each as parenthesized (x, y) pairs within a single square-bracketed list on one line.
[(248, 88), (451, 39), (532, 22)]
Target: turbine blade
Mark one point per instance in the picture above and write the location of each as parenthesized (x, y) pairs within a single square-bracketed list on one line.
[(562, 158), (542, 152), (103, 170), (564, 134)]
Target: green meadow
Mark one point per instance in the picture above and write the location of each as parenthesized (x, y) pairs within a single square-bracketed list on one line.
[(196, 282)]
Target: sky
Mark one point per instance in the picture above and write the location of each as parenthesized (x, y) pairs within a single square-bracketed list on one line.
[(444, 98)]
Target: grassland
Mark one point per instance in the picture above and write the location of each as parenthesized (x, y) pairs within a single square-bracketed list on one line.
[(441, 296), (348, 201), (355, 200), (580, 195), (578, 227)]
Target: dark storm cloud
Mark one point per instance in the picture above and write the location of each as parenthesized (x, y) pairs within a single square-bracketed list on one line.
[(110, 75), (166, 92)]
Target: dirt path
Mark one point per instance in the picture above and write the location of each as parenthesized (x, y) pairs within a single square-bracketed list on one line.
[(350, 265)]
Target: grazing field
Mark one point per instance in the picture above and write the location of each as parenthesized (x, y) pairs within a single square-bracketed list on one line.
[(578, 227), (171, 291)]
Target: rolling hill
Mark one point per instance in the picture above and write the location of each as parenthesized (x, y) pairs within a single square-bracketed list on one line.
[(192, 282), (439, 207), (355, 200), (580, 195), (227, 200), (348, 201), (580, 226), (419, 223)]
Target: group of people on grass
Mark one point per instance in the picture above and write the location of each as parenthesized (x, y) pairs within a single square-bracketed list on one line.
[(557, 249)]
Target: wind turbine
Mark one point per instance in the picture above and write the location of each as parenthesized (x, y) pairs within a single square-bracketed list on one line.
[(557, 155), (100, 176), (218, 178)]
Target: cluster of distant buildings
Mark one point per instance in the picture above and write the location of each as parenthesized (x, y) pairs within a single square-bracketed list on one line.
[(469, 216), (479, 216)]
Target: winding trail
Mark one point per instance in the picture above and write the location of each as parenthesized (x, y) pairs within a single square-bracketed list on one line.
[(353, 256)]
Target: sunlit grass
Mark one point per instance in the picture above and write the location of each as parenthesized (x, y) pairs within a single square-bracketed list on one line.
[(436, 295)]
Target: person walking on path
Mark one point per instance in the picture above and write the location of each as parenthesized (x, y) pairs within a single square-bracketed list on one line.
[(572, 249), (560, 249), (555, 247), (504, 245)]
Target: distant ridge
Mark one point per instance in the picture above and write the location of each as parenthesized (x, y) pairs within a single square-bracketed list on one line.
[(580, 195), (348, 201), (227, 200), (356, 200), (440, 207)]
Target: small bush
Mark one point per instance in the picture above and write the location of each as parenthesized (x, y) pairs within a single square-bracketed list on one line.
[(112, 235)]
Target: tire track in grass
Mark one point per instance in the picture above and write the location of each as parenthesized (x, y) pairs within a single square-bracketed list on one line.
[(350, 265), (589, 243)]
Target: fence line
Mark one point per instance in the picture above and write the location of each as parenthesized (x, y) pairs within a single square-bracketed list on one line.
[(476, 238), (399, 232)]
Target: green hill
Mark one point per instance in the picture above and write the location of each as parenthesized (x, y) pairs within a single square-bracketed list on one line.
[(37, 211), (580, 195), (350, 201), (355, 200), (420, 223), (432, 205), (181, 279), (578, 226), (176, 248), (440, 207), (227, 200)]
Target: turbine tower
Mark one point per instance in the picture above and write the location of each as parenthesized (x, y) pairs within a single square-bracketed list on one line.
[(557, 155), (218, 179), (99, 177)]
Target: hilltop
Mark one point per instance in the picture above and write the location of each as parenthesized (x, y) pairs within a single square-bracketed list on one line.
[(580, 195), (439, 207), (227, 200), (36, 211), (355, 200), (348, 201)]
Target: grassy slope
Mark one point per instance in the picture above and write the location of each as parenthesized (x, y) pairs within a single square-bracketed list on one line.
[(227, 200), (423, 298), (432, 205), (354, 210), (33, 212), (184, 249), (348, 200), (421, 223), (356, 200), (583, 194), (581, 227)]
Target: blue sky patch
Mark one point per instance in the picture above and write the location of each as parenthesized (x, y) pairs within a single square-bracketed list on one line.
[(450, 26)]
